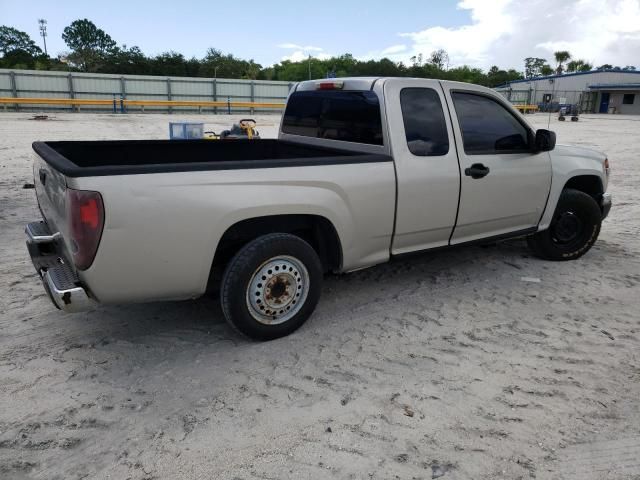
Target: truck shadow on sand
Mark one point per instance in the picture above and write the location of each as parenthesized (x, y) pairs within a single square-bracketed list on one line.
[(202, 321)]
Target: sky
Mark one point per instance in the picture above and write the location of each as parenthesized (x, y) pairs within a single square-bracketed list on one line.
[(480, 33)]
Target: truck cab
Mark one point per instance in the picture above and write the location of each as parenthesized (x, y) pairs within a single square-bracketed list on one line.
[(468, 165)]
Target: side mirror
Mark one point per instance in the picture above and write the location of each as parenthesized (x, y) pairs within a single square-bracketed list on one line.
[(545, 140)]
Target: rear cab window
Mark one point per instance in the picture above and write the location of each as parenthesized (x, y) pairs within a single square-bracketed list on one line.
[(424, 124), (348, 116)]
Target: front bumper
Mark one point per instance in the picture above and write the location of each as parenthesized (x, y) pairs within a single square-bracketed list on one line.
[(58, 278), (605, 204)]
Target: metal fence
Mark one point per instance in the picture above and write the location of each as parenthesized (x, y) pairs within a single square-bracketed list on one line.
[(74, 85), (584, 100)]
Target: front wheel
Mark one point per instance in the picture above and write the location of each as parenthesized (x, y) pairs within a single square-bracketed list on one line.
[(573, 230), (271, 286)]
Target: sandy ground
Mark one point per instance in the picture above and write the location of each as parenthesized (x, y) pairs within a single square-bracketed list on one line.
[(445, 365)]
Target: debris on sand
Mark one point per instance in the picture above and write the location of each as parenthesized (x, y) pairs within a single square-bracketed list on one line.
[(439, 470), (604, 332), (530, 279)]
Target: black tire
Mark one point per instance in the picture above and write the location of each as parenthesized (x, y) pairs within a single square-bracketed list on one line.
[(573, 230), (299, 286)]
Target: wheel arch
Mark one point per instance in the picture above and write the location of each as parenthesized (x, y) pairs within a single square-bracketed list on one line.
[(576, 226), (587, 180), (316, 230), (589, 184)]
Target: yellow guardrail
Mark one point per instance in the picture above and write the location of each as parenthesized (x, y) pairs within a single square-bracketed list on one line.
[(54, 101), (76, 102), (526, 108)]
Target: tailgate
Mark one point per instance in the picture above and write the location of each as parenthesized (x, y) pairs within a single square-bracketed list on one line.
[(48, 241), (68, 238), (51, 187)]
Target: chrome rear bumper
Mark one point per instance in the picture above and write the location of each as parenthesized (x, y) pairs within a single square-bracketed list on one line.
[(58, 278)]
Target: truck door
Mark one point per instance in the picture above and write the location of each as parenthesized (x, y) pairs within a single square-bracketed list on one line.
[(504, 183), (427, 170)]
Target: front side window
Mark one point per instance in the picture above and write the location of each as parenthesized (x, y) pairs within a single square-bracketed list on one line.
[(424, 124), (488, 127), (349, 116)]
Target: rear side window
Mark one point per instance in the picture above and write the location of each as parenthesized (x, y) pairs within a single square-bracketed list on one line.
[(349, 116), (424, 124), (488, 127)]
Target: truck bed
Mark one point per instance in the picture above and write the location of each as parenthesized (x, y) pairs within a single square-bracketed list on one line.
[(123, 157)]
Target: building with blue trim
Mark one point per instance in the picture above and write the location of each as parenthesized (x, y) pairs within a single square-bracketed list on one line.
[(598, 91)]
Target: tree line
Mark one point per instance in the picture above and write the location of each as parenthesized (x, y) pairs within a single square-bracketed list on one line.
[(91, 49), (565, 63)]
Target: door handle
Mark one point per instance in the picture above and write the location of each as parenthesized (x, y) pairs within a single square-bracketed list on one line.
[(43, 176), (476, 170)]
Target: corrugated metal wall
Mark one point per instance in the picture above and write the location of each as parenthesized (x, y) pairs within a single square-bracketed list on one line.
[(44, 84), (565, 89), (576, 82)]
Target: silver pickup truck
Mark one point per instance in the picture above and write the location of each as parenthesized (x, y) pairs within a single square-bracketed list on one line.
[(364, 170)]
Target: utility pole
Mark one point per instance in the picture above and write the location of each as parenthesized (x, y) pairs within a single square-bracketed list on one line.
[(309, 66), (43, 33)]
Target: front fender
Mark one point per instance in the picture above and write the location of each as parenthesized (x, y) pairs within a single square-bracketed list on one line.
[(568, 162)]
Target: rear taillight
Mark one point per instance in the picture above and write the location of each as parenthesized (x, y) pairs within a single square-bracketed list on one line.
[(85, 215)]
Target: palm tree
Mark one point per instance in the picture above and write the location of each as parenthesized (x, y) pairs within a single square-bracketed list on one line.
[(561, 57), (578, 66)]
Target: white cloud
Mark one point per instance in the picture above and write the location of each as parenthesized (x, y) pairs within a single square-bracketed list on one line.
[(302, 52), (504, 32), (393, 49), (468, 43), (293, 46), (300, 55)]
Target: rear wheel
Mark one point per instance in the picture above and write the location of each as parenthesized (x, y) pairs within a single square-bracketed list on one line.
[(271, 286), (573, 230)]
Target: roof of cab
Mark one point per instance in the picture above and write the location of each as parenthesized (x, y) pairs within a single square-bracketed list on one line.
[(367, 83), (353, 83)]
